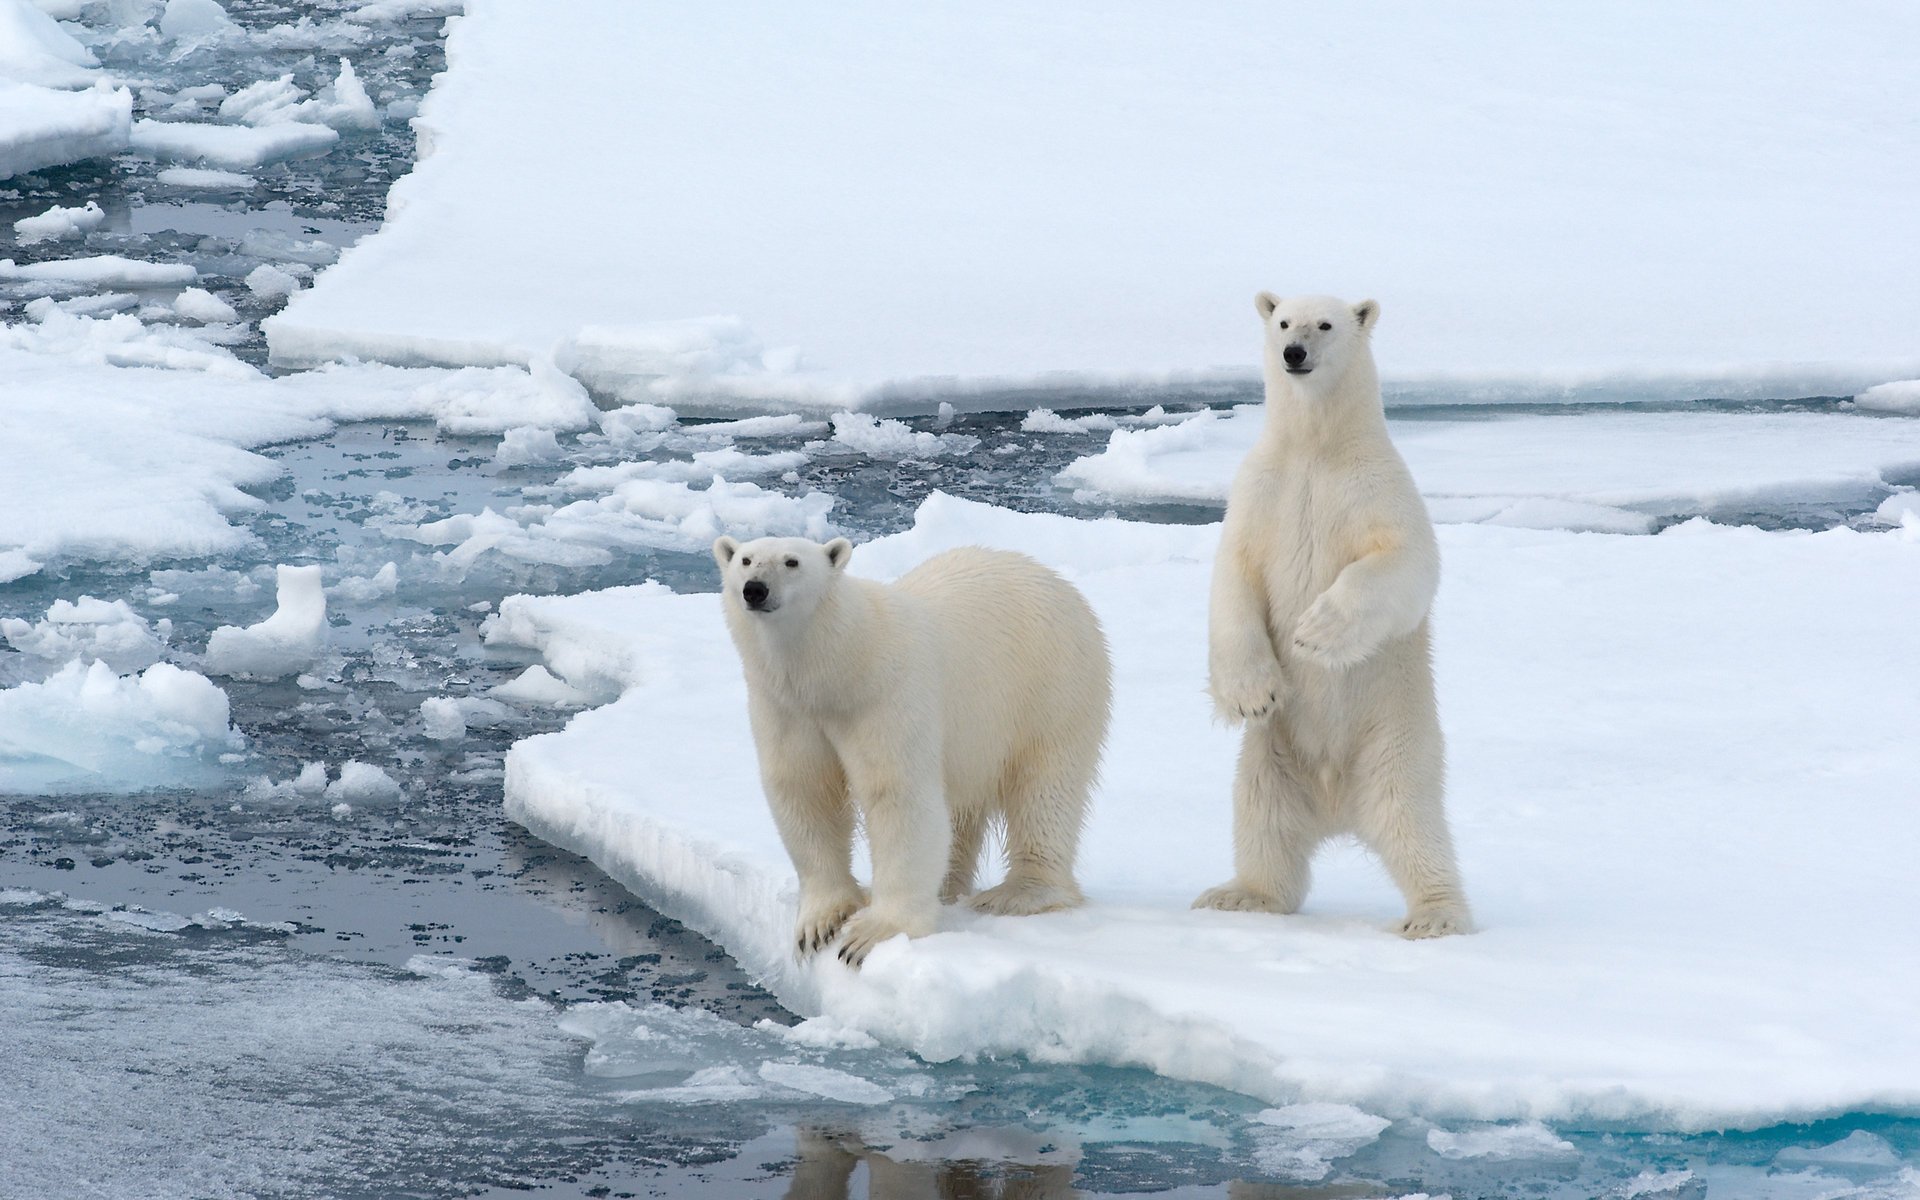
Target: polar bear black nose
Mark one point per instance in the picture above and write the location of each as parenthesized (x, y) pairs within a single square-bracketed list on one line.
[(1295, 354), (754, 593)]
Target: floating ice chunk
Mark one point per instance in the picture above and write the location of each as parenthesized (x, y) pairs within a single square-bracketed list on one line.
[(34, 49), (286, 643), (87, 728), (271, 283), (1501, 1143), (268, 102), (1895, 509), (363, 783), (195, 20), (633, 420), (824, 1082), (1901, 396), (364, 589), (1858, 1148), (342, 104), (1045, 420), (58, 223), (630, 363), (882, 438), (539, 686), (90, 630), (492, 400), (446, 719), (384, 11), (1309, 1137), (199, 304), (236, 147), (17, 564), (309, 784), (783, 425), (100, 271), (709, 1085), (43, 127), (527, 444), (205, 179)]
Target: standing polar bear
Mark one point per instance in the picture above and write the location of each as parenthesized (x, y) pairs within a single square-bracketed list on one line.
[(975, 689), (1318, 637)]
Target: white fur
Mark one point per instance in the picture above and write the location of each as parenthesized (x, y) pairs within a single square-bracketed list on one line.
[(1318, 634), (975, 689)]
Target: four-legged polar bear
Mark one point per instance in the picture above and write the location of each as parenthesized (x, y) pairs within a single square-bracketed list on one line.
[(1317, 637), (975, 689)]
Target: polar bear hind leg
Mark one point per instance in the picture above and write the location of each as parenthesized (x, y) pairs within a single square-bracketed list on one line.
[(1045, 809), (1397, 807)]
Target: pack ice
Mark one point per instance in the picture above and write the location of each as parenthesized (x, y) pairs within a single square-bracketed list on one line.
[(54, 107), (878, 208), (1680, 767)]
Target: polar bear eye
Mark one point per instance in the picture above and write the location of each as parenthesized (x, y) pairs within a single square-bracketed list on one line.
[(1283, 324), (1325, 325), (746, 562), (793, 562)]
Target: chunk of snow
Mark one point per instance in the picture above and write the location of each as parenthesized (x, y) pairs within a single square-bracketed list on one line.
[(186, 20), (202, 177), (1901, 396), (90, 630), (363, 783), (234, 147), (270, 282), (880, 438), (58, 223), (365, 589), (1004, 179), (1501, 1143), (539, 686), (100, 271), (199, 304), (527, 444), (35, 50), (287, 642), (1578, 824), (88, 729)]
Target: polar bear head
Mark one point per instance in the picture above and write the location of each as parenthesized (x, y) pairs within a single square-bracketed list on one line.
[(1312, 339), (780, 579)]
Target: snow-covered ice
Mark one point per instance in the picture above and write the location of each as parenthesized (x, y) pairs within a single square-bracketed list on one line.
[(45, 127), (194, 20), (289, 641), (98, 271), (58, 223), (1610, 471), (198, 304), (205, 178), (34, 49), (90, 630), (86, 728), (879, 208), (1689, 855), (1901, 396), (232, 147)]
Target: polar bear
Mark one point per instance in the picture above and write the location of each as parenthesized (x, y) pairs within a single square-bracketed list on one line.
[(974, 690), (1317, 634)]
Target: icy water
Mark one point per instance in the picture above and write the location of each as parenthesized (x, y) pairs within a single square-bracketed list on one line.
[(223, 988)]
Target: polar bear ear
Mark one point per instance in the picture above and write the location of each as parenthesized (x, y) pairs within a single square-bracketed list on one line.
[(724, 549), (1367, 312), (839, 551), (1265, 303)]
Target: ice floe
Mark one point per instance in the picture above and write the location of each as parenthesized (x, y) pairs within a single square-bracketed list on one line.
[(86, 728), (1630, 784), (231, 147), (90, 630), (58, 223), (286, 643)]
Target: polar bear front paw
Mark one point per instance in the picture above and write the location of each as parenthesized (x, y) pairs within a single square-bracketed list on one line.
[(821, 919), (868, 928), (1235, 897), (1331, 636), (1434, 922), (1247, 691)]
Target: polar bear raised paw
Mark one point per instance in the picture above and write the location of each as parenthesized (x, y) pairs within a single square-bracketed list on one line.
[(1247, 692)]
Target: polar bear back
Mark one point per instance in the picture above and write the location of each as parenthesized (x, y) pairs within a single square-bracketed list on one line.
[(1026, 683)]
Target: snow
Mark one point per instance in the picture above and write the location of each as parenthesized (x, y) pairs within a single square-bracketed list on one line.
[(233, 147), (44, 127), (58, 223), (1608, 471), (86, 728), (1902, 396), (99, 271), (878, 209), (90, 630), (1676, 784), (270, 282), (186, 20), (201, 177), (198, 304), (286, 643), (35, 50)]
